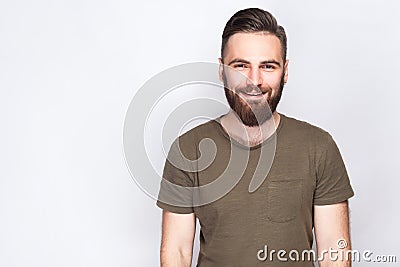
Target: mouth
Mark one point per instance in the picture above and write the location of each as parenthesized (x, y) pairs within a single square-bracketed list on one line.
[(254, 95)]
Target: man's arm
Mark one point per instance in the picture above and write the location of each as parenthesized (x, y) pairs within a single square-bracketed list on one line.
[(331, 225), (178, 232)]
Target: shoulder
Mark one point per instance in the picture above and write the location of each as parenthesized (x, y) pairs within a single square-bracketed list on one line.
[(199, 132), (188, 142), (305, 130)]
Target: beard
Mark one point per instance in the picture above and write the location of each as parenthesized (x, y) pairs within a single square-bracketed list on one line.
[(249, 112)]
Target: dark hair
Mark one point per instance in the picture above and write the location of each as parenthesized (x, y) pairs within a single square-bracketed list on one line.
[(254, 20)]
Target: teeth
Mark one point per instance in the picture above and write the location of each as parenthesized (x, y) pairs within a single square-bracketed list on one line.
[(253, 94)]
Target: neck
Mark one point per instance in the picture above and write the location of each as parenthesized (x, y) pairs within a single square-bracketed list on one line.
[(247, 135)]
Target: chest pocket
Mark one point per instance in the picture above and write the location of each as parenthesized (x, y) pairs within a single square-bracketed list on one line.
[(284, 200)]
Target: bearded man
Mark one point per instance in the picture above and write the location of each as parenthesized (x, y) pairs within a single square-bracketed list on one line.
[(275, 199)]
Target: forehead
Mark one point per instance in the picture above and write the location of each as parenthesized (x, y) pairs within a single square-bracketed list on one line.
[(253, 46)]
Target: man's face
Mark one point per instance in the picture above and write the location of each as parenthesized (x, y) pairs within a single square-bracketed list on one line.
[(256, 74)]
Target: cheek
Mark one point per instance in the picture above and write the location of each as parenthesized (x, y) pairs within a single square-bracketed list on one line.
[(235, 79), (272, 81)]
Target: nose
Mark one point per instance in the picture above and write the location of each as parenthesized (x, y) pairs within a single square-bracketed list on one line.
[(255, 76)]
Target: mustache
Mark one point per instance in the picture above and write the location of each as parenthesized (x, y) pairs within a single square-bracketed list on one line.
[(249, 89)]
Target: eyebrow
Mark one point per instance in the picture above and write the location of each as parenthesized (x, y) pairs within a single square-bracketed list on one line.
[(240, 60)]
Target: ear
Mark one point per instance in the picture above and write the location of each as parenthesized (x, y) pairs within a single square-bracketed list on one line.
[(286, 70), (221, 69)]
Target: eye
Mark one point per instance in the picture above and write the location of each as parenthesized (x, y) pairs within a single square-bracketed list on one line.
[(240, 66), (268, 67)]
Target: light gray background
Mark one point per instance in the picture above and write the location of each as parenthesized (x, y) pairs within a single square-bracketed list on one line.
[(69, 69)]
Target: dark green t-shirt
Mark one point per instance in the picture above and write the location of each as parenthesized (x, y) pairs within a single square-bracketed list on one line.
[(307, 170)]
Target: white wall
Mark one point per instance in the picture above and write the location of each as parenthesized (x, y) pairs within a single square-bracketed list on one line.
[(69, 69)]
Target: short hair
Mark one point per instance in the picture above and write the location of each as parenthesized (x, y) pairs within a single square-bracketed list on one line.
[(252, 20)]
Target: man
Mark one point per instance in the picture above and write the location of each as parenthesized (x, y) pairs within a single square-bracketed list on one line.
[(304, 186)]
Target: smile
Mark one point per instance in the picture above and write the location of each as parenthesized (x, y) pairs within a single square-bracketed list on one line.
[(254, 94)]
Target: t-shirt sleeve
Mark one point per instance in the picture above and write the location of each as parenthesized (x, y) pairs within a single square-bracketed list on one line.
[(333, 184), (176, 186)]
